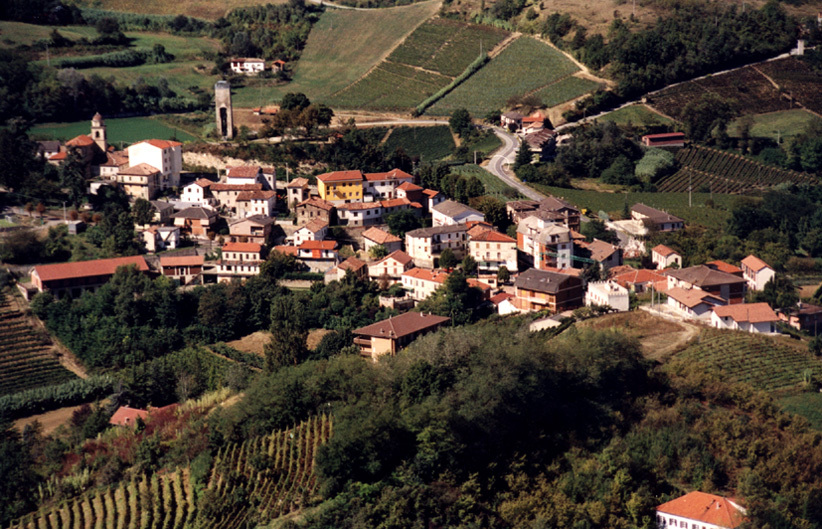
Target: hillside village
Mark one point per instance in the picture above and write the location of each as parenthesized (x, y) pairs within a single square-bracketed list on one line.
[(561, 283)]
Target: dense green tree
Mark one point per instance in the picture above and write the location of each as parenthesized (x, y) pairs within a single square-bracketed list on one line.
[(18, 486), (460, 123), (469, 266), (494, 211), (448, 259), (702, 116), (402, 221), (503, 275), (142, 211)]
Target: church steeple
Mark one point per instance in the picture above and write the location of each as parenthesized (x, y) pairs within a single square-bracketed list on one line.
[(98, 131)]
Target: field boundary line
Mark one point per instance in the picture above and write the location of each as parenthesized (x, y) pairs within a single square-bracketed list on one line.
[(499, 48), (387, 135), (584, 69), (766, 76), (655, 111), (543, 87)]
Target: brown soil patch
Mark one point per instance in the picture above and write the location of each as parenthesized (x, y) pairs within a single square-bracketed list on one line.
[(50, 420), (808, 291), (315, 337), (254, 343), (658, 336)]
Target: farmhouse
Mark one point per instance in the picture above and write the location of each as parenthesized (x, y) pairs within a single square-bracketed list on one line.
[(448, 213), (700, 510), (749, 317), (664, 257), (729, 287), (391, 267), (544, 290), (72, 279), (391, 335), (376, 237), (756, 272), (667, 139), (247, 66), (183, 268), (659, 220)]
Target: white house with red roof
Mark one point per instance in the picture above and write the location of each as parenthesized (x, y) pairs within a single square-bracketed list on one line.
[(261, 202), (641, 280), (756, 272), (421, 283), (376, 237), (699, 510), (239, 259), (664, 257), (749, 317), (359, 213), (693, 303), (315, 230), (492, 249), (164, 155), (199, 193), (391, 267), (319, 256), (384, 185), (246, 174), (72, 279)]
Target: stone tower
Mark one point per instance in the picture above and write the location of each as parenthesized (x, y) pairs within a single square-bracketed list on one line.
[(225, 115), (98, 131)]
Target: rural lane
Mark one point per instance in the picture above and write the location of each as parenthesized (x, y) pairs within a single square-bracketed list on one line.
[(505, 155)]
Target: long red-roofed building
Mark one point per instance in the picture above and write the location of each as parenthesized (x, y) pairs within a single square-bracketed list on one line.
[(73, 278), (699, 510)]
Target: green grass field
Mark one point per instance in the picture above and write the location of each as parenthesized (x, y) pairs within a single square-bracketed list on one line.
[(527, 65), (493, 185), (565, 90), (119, 130), (429, 143), (674, 203), (808, 405), (635, 115), (342, 47), (782, 125)]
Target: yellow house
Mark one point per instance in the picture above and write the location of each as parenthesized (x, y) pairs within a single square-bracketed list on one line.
[(340, 186)]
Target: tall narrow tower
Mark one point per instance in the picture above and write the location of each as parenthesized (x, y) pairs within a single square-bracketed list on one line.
[(98, 131), (225, 114)]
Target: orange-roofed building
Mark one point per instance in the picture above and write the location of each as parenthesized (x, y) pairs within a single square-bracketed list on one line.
[(71, 279), (376, 237), (239, 259), (340, 187), (391, 267), (319, 256), (722, 266), (664, 257), (127, 416), (748, 317), (701, 511), (165, 156), (421, 283), (693, 303), (756, 272), (183, 268), (492, 250), (641, 280), (383, 186)]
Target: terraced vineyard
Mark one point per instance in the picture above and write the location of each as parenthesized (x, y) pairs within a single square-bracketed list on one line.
[(709, 169), (430, 58), (261, 479), (25, 358), (797, 79), (764, 362), (526, 66)]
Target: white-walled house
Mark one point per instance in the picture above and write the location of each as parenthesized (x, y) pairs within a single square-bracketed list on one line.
[(693, 303), (164, 155), (448, 213), (421, 283), (239, 259), (698, 510), (247, 65), (756, 272), (158, 238), (608, 294), (492, 249), (256, 203), (391, 267), (748, 317), (198, 192), (664, 257), (315, 230)]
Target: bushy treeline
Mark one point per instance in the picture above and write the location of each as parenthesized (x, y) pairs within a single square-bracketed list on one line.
[(52, 12), (118, 59), (492, 426), (179, 24)]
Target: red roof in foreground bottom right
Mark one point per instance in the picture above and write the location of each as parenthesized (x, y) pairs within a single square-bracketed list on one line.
[(706, 508)]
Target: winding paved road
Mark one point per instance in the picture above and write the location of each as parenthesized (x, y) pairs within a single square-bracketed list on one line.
[(506, 155)]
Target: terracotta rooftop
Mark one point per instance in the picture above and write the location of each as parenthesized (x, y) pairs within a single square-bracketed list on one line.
[(242, 247), (395, 202), (478, 284), (693, 297), (287, 250), (663, 250), (502, 296), (705, 508), (340, 176), (141, 169), (394, 174), (754, 263), (203, 182), (184, 260), (97, 267), (83, 140), (749, 312), (246, 196), (402, 325), (640, 276), (160, 144), (353, 264), (492, 236), (298, 182), (380, 236), (430, 192), (397, 255), (722, 266), (318, 245), (243, 171), (126, 416), (426, 275), (408, 186), (317, 202), (704, 276), (315, 225), (359, 206)]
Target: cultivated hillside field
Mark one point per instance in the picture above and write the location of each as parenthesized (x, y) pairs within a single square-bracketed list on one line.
[(342, 47), (526, 66), (430, 58), (118, 130), (208, 9)]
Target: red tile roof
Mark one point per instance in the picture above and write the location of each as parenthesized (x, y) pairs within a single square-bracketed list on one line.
[(750, 312), (693, 297), (141, 169), (502, 296), (408, 186), (340, 176), (247, 196), (379, 236), (728, 268), (318, 245), (236, 187), (317, 202), (755, 263), (426, 275), (397, 255), (98, 267), (243, 171), (242, 247), (125, 416), (62, 155), (160, 144), (315, 225), (298, 182), (394, 174), (203, 182), (492, 236), (395, 202), (359, 206), (287, 250), (705, 508), (353, 264), (402, 325), (183, 260), (478, 284), (83, 140), (663, 250), (639, 276), (430, 192)]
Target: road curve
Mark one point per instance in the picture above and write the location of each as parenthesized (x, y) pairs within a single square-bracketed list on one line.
[(505, 155)]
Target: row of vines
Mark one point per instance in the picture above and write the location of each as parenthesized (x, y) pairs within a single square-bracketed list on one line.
[(251, 482)]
